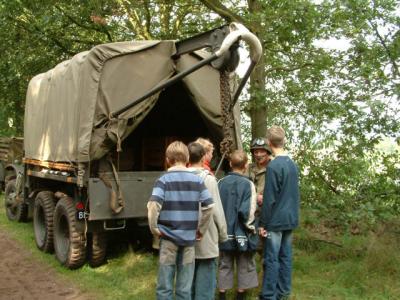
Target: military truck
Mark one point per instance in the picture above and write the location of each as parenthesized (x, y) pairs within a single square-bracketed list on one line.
[(11, 152), (96, 128)]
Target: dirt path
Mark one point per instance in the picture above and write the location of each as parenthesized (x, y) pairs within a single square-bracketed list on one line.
[(23, 277)]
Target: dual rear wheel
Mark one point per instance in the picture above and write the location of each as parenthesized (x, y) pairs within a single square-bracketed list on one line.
[(69, 243), (43, 221), (56, 228)]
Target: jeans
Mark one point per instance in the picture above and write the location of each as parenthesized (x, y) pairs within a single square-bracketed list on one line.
[(205, 279), (176, 262), (277, 265)]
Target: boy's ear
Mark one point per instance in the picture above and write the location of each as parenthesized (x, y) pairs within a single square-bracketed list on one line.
[(168, 162)]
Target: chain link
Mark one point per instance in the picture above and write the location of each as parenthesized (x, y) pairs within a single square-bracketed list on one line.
[(227, 144)]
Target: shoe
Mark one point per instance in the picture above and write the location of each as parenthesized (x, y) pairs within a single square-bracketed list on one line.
[(222, 296), (241, 296)]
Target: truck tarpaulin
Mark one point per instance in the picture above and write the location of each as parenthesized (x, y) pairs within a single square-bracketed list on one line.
[(67, 108)]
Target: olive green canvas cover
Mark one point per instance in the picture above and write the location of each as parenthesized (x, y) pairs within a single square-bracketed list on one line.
[(67, 108)]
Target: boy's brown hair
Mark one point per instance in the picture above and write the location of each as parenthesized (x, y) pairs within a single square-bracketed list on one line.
[(177, 152), (238, 159), (196, 152), (276, 136)]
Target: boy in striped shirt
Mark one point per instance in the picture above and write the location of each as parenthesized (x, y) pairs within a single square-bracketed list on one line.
[(173, 213)]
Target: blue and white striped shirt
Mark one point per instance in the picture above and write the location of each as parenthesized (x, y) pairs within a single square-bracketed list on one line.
[(180, 194)]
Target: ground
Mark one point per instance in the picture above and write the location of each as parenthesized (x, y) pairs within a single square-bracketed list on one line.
[(23, 277)]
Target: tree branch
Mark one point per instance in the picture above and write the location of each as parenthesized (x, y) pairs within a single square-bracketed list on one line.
[(165, 15), (102, 30), (180, 16), (388, 52), (148, 15), (134, 20), (43, 35), (320, 175), (85, 42), (287, 69), (223, 11)]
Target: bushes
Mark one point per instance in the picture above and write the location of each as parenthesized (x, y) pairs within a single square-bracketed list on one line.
[(352, 192)]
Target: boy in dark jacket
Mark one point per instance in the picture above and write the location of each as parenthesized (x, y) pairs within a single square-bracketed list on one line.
[(239, 200), (279, 216)]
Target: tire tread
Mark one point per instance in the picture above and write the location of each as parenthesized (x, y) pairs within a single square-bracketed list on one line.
[(98, 249), (77, 247), (46, 200)]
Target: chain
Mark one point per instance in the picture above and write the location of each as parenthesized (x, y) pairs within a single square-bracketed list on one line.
[(227, 144)]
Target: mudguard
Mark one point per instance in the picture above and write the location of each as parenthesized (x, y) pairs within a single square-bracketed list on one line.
[(13, 169)]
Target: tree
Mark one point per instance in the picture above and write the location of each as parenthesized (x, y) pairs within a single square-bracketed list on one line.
[(336, 104)]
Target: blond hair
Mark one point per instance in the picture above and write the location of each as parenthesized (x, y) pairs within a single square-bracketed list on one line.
[(238, 159), (206, 143), (177, 152), (276, 136)]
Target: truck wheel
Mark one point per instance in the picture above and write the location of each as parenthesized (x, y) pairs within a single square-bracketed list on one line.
[(43, 213), (97, 249), (16, 209), (69, 243)]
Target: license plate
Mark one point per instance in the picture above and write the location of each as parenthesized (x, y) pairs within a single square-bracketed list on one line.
[(80, 215)]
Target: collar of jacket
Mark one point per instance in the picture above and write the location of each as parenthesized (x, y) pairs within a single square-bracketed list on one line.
[(177, 168), (238, 174), (256, 169)]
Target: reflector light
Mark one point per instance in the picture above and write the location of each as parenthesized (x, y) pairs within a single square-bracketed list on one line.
[(80, 206)]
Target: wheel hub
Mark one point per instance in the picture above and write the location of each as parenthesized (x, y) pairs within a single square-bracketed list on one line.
[(11, 201)]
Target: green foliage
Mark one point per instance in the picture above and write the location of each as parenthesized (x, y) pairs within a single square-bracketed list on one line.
[(351, 190)]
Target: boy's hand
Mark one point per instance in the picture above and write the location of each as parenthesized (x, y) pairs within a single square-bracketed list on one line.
[(259, 199), (262, 232), (198, 235)]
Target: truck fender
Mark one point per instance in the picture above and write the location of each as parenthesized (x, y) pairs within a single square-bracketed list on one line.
[(12, 170)]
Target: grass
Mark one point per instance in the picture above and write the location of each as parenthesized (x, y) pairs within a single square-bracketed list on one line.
[(326, 265), (354, 267)]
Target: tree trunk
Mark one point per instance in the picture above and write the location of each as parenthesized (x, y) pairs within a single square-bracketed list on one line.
[(257, 108)]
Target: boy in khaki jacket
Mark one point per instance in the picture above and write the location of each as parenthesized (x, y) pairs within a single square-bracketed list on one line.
[(206, 249)]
